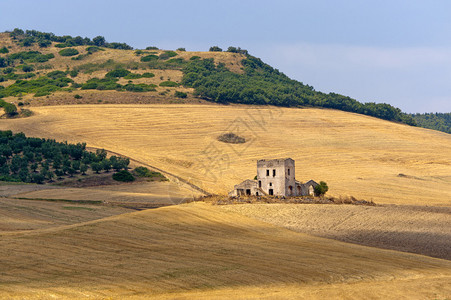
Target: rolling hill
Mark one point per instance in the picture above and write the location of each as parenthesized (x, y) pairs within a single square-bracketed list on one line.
[(166, 109), (39, 64), (197, 250), (356, 155)]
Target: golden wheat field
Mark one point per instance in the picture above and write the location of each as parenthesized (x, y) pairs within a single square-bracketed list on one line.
[(150, 193), (198, 250), (356, 155)]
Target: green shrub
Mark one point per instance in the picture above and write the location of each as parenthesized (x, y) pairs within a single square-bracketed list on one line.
[(133, 76), (151, 48), (124, 176), (77, 96), (27, 68), (44, 43), (215, 49), (93, 49), (4, 50), (118, 73), (148, 75), (179, 94), (62, 45), (4, 62), (142, 87), (43, 58), (181, 49), (8, 70), (80, 57), (69, 52), (73, 73), (56, 74), (31, 56), (321, 188), (101, 84), (167, 54), (145, 172), (169, 84), (195, 57), (9, 108), (149, 58)]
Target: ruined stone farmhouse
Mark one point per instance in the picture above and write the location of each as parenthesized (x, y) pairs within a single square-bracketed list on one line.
[(275, 177)]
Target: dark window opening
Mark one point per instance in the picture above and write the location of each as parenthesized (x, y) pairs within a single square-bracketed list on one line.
[(290, 190), (259, 183), (248, 192), (273, 173), (267, 172), (256, 194), (288, 172), (270, 184), (271, 192)]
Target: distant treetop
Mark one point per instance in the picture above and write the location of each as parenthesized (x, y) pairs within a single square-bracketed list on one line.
[(44, 39), (215, 49)]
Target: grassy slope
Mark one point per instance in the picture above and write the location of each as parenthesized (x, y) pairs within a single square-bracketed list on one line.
[(356, 155), (200, 249), (125, 57)]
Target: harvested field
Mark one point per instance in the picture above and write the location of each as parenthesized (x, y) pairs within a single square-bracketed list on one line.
[(19, 215), (356, 155), (146, 193), (418, 229), (202, 251)]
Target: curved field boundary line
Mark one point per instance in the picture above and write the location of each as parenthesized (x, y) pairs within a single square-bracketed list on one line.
[(155, 169)]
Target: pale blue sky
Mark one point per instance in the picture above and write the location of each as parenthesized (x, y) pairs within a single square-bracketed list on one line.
[(397, 51)]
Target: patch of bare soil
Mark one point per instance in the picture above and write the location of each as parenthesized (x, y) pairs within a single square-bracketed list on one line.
[(417, 229)]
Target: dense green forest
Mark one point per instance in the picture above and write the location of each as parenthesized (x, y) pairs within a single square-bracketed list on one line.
[(437, 121), (35, 160), (262, 84)]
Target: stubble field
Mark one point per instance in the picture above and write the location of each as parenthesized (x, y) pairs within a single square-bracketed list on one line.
[(200, 251), (356, 155), (417, 229)]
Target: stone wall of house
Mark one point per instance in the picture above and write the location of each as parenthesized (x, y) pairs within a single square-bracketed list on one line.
[(277, 177)]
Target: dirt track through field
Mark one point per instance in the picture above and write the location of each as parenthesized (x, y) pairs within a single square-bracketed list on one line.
[(417, 229)]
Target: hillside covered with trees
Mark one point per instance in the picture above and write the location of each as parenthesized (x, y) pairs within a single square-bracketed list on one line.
[(436, 121), (36, 160), (42, 64), (261, 84)]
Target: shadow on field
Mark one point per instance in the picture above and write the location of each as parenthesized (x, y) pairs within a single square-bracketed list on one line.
[(425, 243)]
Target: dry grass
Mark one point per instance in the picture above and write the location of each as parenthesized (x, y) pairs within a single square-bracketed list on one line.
[(356, 155), (148, 193), (20, 215), (198, 250)]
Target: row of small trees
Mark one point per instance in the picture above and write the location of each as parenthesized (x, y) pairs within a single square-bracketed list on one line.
[(44, 39), (36, 160), (230, 49)]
